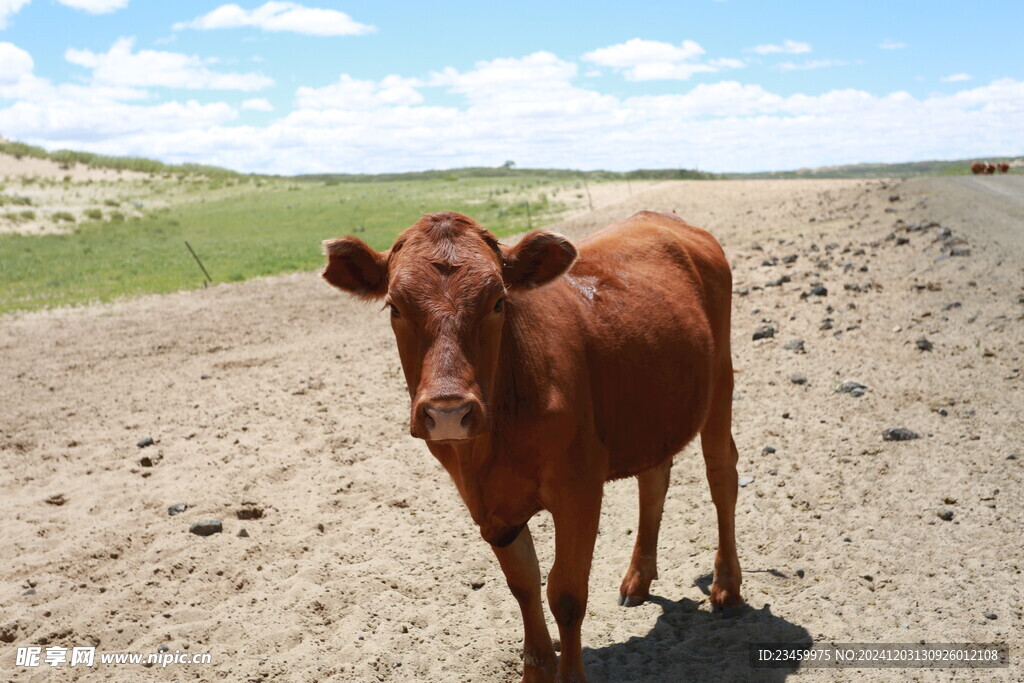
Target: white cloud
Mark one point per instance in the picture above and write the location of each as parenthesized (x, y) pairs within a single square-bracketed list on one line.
[(810, 64), (554, 123), (727, 98), (956, 78), (258, 104), (727, 63), (80, 116), (649, 60), (34, 89), (888, 44), (280, 16), (510, 79), (789, 47), (18, 83), (9, 8), (638, 51), (96, 6), (352, 93), (536, 110), (666, 71), (81, 123), (150, 68), (14, 63)]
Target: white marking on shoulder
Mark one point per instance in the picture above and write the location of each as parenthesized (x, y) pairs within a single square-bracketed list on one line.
[(586, 285)]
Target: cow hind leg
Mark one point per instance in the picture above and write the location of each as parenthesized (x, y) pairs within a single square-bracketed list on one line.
[(720, 457), (643, 568)]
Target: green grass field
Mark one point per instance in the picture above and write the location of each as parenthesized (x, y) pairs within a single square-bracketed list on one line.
[(250, 226), (263, 227)]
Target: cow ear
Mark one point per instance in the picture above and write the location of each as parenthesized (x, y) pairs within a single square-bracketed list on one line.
[(538, 258), (356, 268)]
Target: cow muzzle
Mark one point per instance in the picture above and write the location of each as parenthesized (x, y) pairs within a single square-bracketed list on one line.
[(447, 418)]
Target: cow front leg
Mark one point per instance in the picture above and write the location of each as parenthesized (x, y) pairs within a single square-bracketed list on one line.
[(576, 518), (519, 563), (643, 568)]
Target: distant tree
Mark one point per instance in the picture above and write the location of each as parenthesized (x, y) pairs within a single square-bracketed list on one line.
[(509, 164)]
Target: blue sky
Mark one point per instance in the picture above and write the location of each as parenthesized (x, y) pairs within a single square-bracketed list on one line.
[(734, 85)]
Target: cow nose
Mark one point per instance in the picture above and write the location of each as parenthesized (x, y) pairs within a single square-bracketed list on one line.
[(449, 420)]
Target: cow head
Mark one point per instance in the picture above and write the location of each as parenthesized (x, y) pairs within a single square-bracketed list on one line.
[(448, 286)]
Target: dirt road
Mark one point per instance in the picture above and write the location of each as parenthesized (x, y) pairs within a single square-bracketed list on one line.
[(990, 206), (282, 401)]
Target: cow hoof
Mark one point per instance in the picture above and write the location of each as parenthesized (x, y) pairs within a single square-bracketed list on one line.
[(630, 601), (728, 612)]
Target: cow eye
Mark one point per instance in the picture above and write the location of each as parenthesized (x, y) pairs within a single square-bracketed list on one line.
[(499, 304), (394, 311)]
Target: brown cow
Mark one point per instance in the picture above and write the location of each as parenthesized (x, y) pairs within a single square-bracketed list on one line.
[(536, 376), (990, 169), (977, 168), (1004, 167)]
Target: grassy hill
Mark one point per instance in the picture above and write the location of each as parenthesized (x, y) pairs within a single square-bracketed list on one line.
[(68, 158), (512, 173)]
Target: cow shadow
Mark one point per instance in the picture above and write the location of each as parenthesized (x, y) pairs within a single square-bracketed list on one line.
[(690, 643)]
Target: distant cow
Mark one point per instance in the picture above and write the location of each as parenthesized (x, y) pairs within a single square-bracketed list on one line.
[(990, 169), (1004, 167), (538, 372), (977, 168)]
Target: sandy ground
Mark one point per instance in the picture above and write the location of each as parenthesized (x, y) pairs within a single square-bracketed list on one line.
[(582, 199), (281, 400), (12, 167)]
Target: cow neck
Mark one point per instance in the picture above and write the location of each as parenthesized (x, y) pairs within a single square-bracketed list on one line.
[(470, 466)]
